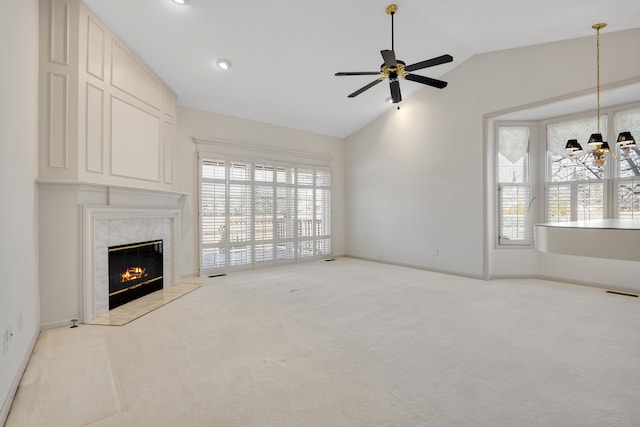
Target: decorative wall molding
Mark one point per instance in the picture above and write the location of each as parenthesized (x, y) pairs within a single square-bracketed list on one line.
[(85, 133), (59, 36), (113, 189), (95, 129), (169, 104), (169, 153), (135, 142), (128, 76), (95, 49), (58, 120)]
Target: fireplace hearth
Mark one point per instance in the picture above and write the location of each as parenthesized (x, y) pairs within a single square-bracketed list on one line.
[(135, 270)]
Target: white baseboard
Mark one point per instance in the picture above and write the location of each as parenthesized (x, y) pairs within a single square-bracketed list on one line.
[(602, 286), (8, 401), (419, 267), (55, 325)]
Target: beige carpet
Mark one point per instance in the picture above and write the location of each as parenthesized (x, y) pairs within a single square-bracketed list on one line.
[(348, 343)]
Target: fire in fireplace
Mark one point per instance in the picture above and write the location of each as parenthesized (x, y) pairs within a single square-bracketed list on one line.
[(135, 270)]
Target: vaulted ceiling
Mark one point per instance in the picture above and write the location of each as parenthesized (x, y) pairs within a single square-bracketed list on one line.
[(285, 53)]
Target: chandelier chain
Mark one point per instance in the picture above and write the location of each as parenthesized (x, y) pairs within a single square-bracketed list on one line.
[(598, 72)]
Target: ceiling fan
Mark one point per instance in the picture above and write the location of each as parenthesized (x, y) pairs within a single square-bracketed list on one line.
[(394, 69)]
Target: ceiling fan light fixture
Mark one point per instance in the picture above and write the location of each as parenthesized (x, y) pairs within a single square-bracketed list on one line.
[(223, 63), (394, 69)]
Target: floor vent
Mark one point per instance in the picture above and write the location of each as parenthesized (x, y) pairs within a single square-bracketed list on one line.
[(626, 294), (330, 259), (218, 275)]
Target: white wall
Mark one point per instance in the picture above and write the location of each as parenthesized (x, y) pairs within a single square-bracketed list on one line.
[(194, 123), (415, 177), (19, 304)]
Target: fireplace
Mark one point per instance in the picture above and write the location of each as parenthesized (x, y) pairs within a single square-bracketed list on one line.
[(135, 270), (110, 226)]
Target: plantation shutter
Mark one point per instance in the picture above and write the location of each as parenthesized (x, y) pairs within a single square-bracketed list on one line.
[(240, 214), (628, 205), (514, 205), (323, 212), (262, 213), (590, 201), (286, 213), (558, 202), (263, 220), (213, 216)]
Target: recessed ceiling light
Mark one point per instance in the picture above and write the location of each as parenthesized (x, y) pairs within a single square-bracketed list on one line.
[(223, 63), (181, 2)]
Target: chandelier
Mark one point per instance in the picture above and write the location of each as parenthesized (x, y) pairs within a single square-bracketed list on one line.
[(598, 147)]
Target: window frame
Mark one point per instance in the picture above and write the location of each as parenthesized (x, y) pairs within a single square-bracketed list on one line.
[(532, 176), (611, 170), (540, 169)]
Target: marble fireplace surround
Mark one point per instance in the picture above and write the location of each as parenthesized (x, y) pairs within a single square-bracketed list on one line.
[(105, 226)]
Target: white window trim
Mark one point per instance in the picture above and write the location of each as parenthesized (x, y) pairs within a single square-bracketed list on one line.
[(533, 183), (208, 150), (256, 153)]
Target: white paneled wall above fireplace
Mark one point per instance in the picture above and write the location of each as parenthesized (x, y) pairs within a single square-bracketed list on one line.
[(105, 116)]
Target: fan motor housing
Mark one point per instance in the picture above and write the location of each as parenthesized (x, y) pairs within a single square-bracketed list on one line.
[(398, 69)]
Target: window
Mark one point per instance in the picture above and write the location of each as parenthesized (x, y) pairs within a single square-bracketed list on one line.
[(531, 161), (627, 185), (257, 213), (575, 189), (514, 189), (629, 198)]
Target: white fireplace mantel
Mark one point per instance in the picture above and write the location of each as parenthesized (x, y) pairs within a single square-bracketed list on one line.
[(105, 226), (77, 222)]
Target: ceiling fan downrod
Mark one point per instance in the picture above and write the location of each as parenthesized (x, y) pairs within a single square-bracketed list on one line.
[(391, 10)]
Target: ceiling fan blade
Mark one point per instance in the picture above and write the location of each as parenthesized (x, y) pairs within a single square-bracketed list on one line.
[(429, 63), (359, 73), (389, 58), (369, 86), (395, 91), (426, 81)]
